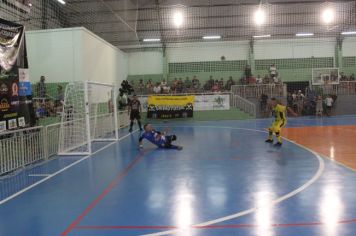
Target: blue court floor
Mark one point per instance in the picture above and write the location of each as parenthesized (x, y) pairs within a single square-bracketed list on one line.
[(226, 181)]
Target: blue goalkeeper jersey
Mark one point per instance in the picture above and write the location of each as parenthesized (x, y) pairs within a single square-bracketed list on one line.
[(152, 137)]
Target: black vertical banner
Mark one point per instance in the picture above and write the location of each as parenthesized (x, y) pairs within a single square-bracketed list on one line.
[(16, 109)]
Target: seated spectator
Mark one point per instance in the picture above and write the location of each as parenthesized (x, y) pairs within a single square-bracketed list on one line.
[(187, 84), (196, 84), (352, 77), (229, 83), (141, 87), (157, 89), (266, 79), (248, 72), (174, 85), (221, 84), (259, 79), (149, 86), (215, 88), (163, 83), (179, 88), (273, 71), (252, 80)]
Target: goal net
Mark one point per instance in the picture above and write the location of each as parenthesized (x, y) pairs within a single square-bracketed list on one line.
[(89, 114)]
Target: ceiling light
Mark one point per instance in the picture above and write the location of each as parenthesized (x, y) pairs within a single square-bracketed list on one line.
[(328, 15), (178, 19), (262, 36), (304, 34), (212, 37), (260, 17), (348, 33), (151, 40)]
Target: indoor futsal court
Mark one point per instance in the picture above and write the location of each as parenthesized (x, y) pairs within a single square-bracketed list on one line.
[(177, 117)]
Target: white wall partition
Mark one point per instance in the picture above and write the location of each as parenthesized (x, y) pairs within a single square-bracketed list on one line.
[(74, 54), (294, 48), (145, 63)]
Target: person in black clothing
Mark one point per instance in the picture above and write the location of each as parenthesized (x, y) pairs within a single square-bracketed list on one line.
[(134, 109)]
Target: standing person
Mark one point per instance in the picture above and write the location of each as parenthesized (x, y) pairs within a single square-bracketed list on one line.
[(160, 139), (279, 112), (42, 91), (134, 109), (319, 106), (329, 104)]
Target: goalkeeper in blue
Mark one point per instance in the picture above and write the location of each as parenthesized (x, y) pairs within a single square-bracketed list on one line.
[(160, 139)]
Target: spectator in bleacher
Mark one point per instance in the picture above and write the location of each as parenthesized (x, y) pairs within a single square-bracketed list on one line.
[(248, 71), (157, 89), (329, 104), (42, 91), (266, 79), (163, 83), (187, 84), (352, 77), (180, 86), (215, 88), (221, 84), (149, 86), (276, 80), (259, 79), (229, 83), (273, 71), (174, 85), (195, 84), (140, 87)]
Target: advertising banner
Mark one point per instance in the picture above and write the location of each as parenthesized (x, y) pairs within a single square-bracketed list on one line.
[(15, 88), (168, 107), (210, 102)]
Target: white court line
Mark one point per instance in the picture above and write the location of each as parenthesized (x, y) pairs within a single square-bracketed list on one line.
[(39, 175), (61, 170), (254, 209)]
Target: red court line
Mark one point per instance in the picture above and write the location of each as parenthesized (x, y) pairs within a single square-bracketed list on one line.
[(112, 184), (113, 227)]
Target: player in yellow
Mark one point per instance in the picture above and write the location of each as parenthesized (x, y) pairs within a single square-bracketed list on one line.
[(279, 112)]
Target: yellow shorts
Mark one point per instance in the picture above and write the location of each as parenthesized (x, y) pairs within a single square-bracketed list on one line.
[(276, 126)]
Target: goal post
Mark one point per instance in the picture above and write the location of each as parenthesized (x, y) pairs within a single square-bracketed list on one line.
[(89, 115)]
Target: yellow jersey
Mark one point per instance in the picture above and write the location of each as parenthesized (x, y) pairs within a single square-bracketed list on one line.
[(279, 113)]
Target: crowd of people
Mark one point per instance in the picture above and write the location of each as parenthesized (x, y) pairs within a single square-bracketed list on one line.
[(302, 105), (194, 85)]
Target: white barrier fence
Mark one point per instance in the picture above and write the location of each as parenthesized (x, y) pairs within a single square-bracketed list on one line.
[(255, 91), (343, 88), (243, 104), (27, 146)]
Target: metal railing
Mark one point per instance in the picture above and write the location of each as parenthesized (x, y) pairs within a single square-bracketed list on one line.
[(343, 88), (255, 91), (243, 104), (19, 148)]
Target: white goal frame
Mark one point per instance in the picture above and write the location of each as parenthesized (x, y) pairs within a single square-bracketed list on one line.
[(87, 132)]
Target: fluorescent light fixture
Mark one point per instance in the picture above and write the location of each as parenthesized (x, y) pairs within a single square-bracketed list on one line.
[(178, 19), (61, 1), (212, 37), (151, 40), (348, 33), (304, 34), (262, 36), (260, 17), (328, 15)]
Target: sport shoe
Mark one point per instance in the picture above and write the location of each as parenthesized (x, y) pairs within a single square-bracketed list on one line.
[(174, 138), (278, 144), (269, 141), (130, 130), (179, 148)]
